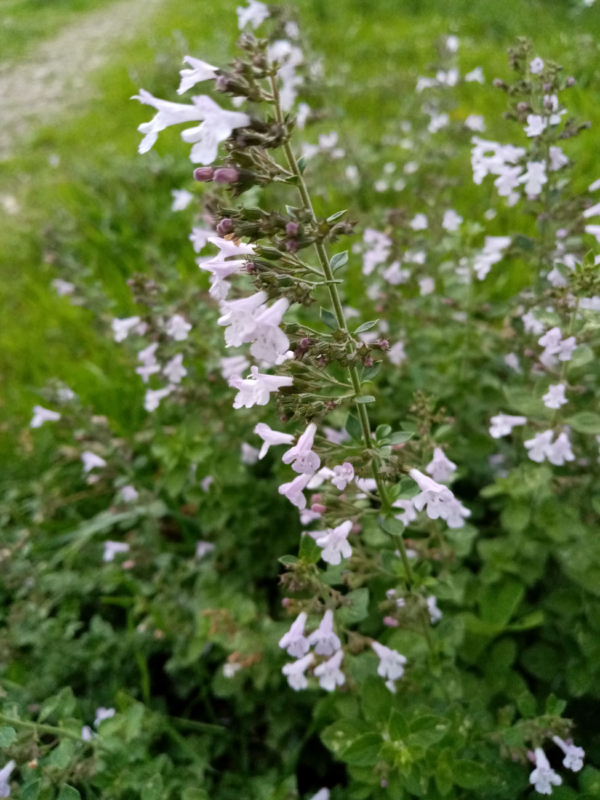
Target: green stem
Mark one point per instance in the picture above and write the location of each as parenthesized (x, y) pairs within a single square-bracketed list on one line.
[(39, 728), (336, 302)]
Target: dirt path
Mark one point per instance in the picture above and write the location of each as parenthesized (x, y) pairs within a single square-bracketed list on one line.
[(52, 77)]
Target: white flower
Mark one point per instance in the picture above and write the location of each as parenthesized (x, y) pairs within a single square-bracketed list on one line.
[(427, 286), (452, 43), (122, 327), (256, 390), (200, 71), (593, 211), (335, 543), (4, 778), (538, 446), (181, 199), (178, 328), (434, 612), (199, 237), (593, 187), (536, 66), (270, 437), (475, 122), (502, 425), (217, 126), (230, 668), (301, 456), (455, 514), (102, 714), (555, 396), (229, 248), (295, 672), (508, 180), (557, 158), (419, 222), (203, 549), (433, 496), (146, 370), (560, 451), (174, 369), (440, 467), (324, 640), (574, 755), (536, 125), (395, 275), (532, 324), (391, 662), (112, 548), (219, 271), (322, 794), (593, 230), (207, 482), (409, 514), (167, 114), (451, 221), (41, 415), (344, 474), (63, 288), (437, 122), (233, 365), (475, 75), (129, 494), (397, 354), (535, 177), (293, 491), (543, 776), (329, 672), (153, 397), (91, 460), (87, 734), (512, 360), (555, 345), (324, 474), (239, 317), (269, 340), (254, 14)]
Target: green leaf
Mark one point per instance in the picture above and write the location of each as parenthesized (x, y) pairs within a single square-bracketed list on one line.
[(582, 355), (364, 751), (7, 736), (399, 437), (523, 401), (338, 260), (153, 788), (357, 607), (469, 774), (31, 790), (391, 526), (500, 601), (61, 756), (527, 705), (428, 729), (288, 560), (375, 700), (397, 726), (302, 164), (585, 422), (383, 431), (68, 793), (366, 326), (589, 781), (340, 736), (329, 319), (194, 794), (309, 552), (370, 372), (364, 399), (353, 427), (337, 215), (555, 706)]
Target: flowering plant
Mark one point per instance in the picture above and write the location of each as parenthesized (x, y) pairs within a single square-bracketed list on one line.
[(432, 626)]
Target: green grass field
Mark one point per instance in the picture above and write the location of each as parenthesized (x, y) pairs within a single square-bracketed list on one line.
[(103, 212)]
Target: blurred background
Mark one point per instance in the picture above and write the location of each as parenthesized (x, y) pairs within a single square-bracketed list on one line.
[(77, 202)]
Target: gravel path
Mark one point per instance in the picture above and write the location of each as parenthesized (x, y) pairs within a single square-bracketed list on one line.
[(52, 77)]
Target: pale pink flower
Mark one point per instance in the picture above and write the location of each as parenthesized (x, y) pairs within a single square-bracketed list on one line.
[(256, 390), (301, 456), (543, 776), (344, 475), (440, 467), (335, 543), (295, 672), (294, 641), (391, 662), (329, 672), (324, 640), (178, 328), (271, 437), (294, 491), (41, 415), (200, 71)]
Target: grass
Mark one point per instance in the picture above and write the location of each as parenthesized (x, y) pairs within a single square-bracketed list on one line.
[(103, 212)]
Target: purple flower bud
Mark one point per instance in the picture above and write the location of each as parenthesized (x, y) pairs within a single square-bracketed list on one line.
[(390, 622), (570, 81), (221, 83), (548, 103), (318, 508), (291, 245), (498, 83), (226, 175), (224, 227), (204, 174), (522, 106), (547, 87), (292, 228), (384, 344)]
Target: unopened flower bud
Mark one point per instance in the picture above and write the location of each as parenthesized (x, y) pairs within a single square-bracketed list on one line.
[(528, 353), (547, 87), (390, 622), (368, 362), (204, 174), (224, 227), (357, 527), (292, 228), (291, 245), (226, 175), (285, 602), (499, 83), (522, 106), (316, 498), (221, 83), (548, 103), (383, 344), (570, 82), (318, 508)]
